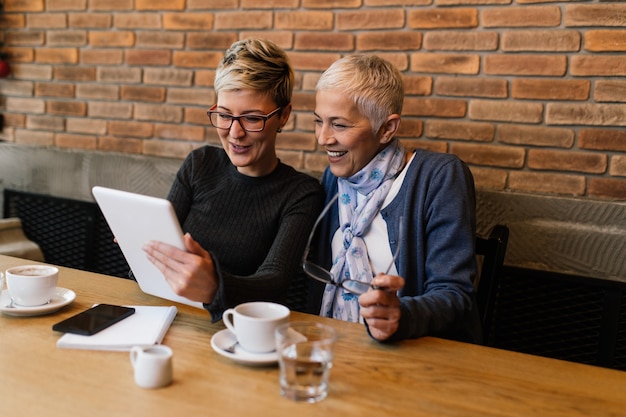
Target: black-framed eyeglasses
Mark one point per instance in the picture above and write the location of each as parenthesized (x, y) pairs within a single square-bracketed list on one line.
[(320, 274), (248, 122)]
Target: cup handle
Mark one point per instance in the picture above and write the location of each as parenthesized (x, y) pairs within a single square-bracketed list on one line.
[(226, 317), (134, 354)]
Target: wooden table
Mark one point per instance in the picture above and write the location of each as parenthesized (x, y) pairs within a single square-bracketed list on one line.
[(423, 377)]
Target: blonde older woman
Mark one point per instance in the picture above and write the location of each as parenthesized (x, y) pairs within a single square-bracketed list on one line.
[(424, 209)]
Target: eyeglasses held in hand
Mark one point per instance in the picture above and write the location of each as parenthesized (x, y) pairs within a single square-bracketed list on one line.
[(248, 122), (320, 274)]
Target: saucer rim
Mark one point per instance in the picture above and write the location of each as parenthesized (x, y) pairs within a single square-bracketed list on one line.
[(247, 358), (63, 297)]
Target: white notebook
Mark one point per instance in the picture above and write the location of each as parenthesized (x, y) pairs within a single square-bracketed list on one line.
[(144, 328)]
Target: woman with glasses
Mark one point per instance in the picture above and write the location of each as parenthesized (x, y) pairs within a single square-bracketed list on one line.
[(245, 214), (396, 247)]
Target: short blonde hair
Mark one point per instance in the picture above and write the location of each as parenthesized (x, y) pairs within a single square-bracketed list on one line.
[(259, 65), (374, 84)]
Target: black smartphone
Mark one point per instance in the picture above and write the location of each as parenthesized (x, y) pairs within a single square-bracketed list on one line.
[(93, 320)]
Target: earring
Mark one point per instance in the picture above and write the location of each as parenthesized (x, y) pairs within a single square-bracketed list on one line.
[(280, 129)]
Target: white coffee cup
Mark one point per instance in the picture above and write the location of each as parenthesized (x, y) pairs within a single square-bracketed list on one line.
[(152, 365), (32, 285), (253, 324)]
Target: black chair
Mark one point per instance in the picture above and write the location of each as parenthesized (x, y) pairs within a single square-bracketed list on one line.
[(490, 253)]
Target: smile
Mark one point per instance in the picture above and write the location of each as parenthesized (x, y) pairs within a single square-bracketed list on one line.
[(335, 154)]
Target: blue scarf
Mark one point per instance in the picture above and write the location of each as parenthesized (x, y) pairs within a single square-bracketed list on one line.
[(352, 262)]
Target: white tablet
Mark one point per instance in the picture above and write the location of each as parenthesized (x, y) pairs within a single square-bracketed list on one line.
[(134, 220)]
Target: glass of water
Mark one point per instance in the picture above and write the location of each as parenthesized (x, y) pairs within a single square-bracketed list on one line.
[(305, 356)]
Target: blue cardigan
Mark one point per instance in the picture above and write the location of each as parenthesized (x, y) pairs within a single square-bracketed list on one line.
[(437, 204)]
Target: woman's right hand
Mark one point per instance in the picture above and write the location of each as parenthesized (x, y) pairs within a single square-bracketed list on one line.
[(380, 306)]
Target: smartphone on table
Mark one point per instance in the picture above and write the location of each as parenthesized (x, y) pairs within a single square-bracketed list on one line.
[(93, 320)]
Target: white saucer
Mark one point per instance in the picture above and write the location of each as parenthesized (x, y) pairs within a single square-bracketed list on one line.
[(225, 338), (62, 298)]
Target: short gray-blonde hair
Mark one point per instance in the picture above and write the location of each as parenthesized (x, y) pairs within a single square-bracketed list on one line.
[(374, 84), (259, 65)]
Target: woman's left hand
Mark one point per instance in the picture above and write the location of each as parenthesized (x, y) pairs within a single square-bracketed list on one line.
[(380, 306)]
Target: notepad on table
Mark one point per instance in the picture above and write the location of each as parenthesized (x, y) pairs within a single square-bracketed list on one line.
[(144, 328)]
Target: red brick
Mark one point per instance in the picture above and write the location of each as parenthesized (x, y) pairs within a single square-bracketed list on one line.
[(47, 21), (434, 146), (445, 63), (170, 149), (396, 41), (24, 105), (34, 138), (64, 90), (598, 65), (188, 21), (148, 57), (470, 86), (418, 85), (57, 55), (608, 188), (212, 4), (178, 132), (98, 91), (160, 40), (506, 111), (20, 54), (210, 40), (557, 160), (137, 21), (440, 18), (31, 72), (314, 41), (101, 57), (108, 39), (312, 61), (323, 4), (119, 75), (489, 155), (605, 40), (550, 89), (90, 20), (245, 20), (370, 19), (30, 38), (610, 90), (526, 64), (196, 59), (166, 76), (68, 108), (67, 38), (451, 40), (471, 131), (158, 113), (429, 107), (586, 114), (525, 16), (111, 5), (142, 93), (489, 178), (66, 5), (282, 38), (304, 20), (296, 141), (602, 139), (12, 6), (159, 5), (548, 183), (541, 40), (315, 162), (86, 125), (595, 15), (12, 21), (109, 110), (513, 134), (132, 129), (194, 96), (73, 141), (123, 145), (410, 128), (45, 122), (618, 166)]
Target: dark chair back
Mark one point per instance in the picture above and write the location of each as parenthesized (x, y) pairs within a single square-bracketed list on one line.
[(490, 252)]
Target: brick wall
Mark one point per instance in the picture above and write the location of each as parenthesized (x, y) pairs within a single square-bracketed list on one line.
[(530, 93)]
